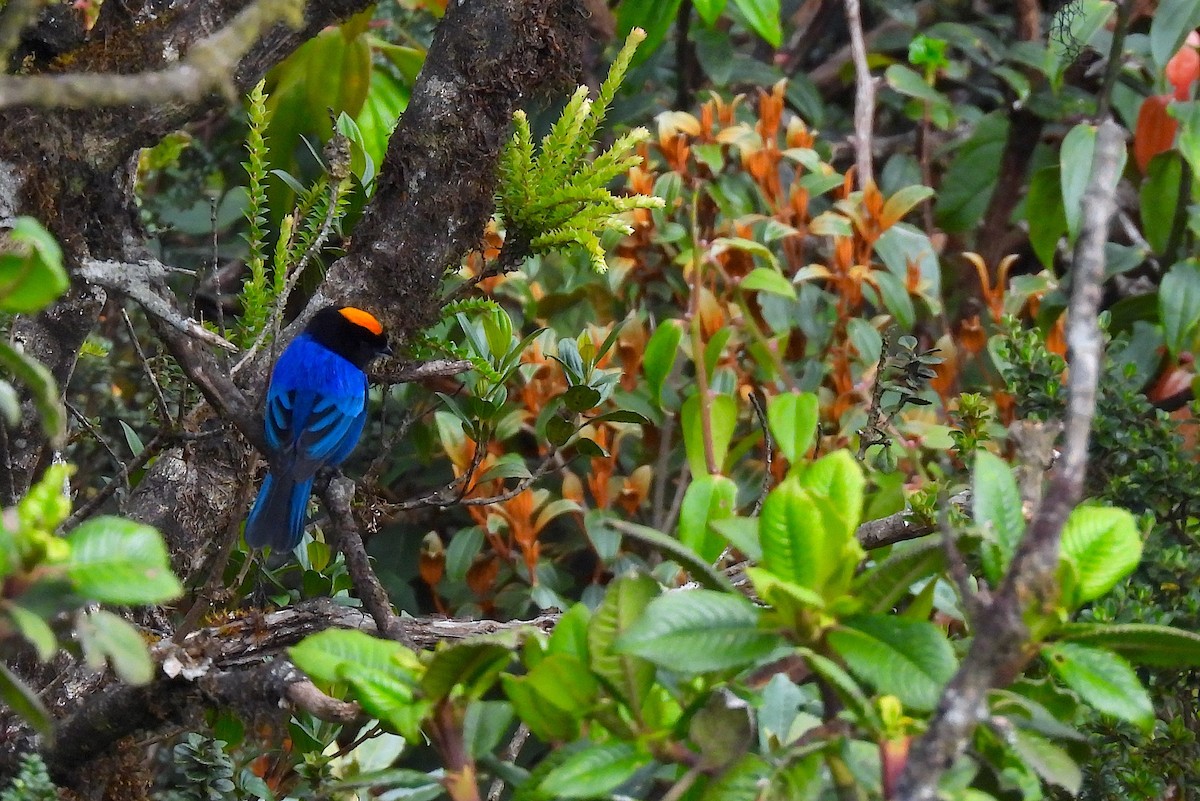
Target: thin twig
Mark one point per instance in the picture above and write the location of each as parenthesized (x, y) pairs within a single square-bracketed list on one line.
[(759, 403), (118, 462), (152, 448), (150, 376), (510, 755), (864, 96)]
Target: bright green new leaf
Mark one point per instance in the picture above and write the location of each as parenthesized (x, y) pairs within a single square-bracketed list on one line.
[(765, 279), (624, 602), (792, 419), (322, 655), (996, 503), (34, 629), (42, 387), (594, 772), (709, 10), (909, 659), (31, 268), (708, 499), (1179, 305), (553, 696), (387, 697), (792, 533), (1053, 764), (1103, 546), (106, 637), (119, 561), (660, 355), (763, 18), (724, 420), (1102, 680), (699, 631), (838, 477)]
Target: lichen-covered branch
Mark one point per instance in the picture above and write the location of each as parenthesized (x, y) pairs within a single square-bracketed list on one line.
[(998, 650)]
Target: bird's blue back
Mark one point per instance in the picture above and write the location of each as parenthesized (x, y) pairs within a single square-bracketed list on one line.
[(316, 408)]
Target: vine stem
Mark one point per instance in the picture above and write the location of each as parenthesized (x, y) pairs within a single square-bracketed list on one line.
[(699, 254)]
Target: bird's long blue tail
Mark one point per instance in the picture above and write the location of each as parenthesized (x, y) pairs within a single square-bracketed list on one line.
[(277, 518)]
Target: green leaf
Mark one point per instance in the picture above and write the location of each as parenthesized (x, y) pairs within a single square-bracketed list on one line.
[(624, 602), (322, 655), (708, 498), (723, 243), (699, 631), (119, 561), (34, 375), (1172, 21), (387, 697), (1051, 763), (1103, 546), (655, 17), (660, 356), (763, 18), (907, 82), (846, 688), (1102, 680), (792, 419), (903, 202), (31, 268), (553, 696), (996, 503), (1140, 643), (910, 659), (106, 637), (472, 665), (1159, 198), (741, 533), (700, 570), (1046, 215), (1075, 158), (722, 729), (880, 587), (792, 532), (594, 772), (1179, 305), (724, 420), (838, 477), (580, 398), (34, 629), (765, 279), (558, 430), (709, 10), (20, 698)]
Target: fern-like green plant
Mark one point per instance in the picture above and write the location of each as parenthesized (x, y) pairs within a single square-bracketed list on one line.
[(557, 198), (257, 291)]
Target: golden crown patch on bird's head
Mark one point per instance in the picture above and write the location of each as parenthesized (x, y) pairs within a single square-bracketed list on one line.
[(361, 318)]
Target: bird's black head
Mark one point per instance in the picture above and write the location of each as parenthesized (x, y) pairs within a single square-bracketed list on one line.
[(351, 333)]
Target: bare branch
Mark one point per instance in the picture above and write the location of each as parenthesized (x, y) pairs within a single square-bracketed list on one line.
[(208, 66), (999, 649), (864, 96)]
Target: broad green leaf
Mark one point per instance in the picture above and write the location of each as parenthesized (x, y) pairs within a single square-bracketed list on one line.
[(473, 665), (744, 781), (1102, 680), (1179, 305), (907, 82), (322, 655), (838, 477), (20, 698), (1140, 643), (655, 17), (1103, 546), (1172, 21), (909, 659), (1159, 197), (708, 498), (792, 419), (763, 18), (970, 180), (31, 268), (1053, 764), (485, 725), (724, 420), (902, 202), (106, 637), (765, 279), (1045, 213), (996, 503), (722, 730), (881, 586), (792, 533), (842, 683), (119, 561), (594, 772), (624, 602), (1075, 159), (34, 629), (42, 387), (709, 10), (387, 697), (723, 243), (660, 356), (741, 533), (570, 633), (699, 631), (554, 695)]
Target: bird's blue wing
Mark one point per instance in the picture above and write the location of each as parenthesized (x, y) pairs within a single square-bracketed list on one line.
[(316, 408)]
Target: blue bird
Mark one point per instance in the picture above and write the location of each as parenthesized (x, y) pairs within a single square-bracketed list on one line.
[(316, 409)]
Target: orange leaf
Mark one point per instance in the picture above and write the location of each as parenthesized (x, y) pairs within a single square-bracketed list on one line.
[(1155, 131)]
